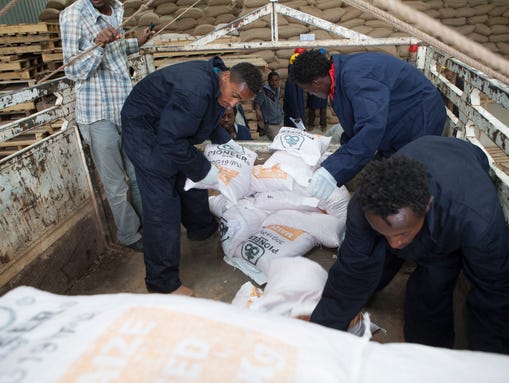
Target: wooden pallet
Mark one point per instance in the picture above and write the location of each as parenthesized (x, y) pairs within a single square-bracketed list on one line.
[(25, 74), (17, 29), (500, 158), (19, 64)]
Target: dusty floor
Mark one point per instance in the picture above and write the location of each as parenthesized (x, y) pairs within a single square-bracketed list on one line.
[(203, 269)]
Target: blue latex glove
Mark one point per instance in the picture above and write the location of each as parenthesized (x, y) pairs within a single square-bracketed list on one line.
[(233, 146), (211, 177), (322, 184)]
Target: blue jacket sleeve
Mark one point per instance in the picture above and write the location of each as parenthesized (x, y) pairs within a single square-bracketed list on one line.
[(355, 275), (180, 121), (370, 104)]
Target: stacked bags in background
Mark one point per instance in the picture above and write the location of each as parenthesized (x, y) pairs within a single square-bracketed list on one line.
[(265, 210)]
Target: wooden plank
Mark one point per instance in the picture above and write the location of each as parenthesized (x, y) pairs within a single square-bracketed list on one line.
[(9, 58), (26, 74), (34, 48), (21, 39), (24, 106), (15, 65), (6, 29), (50, 57)]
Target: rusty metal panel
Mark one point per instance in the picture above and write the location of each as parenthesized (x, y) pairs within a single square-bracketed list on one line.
[(31, 93), (40, 187)]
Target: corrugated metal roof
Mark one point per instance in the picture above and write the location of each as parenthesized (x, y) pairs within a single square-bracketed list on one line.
[(25, 11)]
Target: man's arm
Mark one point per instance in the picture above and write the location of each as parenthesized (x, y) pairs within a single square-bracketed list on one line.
[(370, 103), (73, 34), (181, 120), (259, 116), (355, 275)]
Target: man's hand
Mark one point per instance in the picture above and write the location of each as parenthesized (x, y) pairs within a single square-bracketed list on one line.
[(234, 147), (106, 36), (322, 184), (145, 35)]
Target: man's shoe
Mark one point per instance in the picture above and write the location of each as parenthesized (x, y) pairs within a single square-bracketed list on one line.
[(137, 246)]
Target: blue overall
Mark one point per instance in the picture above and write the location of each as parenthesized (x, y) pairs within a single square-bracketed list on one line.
[(464, 229), (382, 104), (166, 114), (293, 101)]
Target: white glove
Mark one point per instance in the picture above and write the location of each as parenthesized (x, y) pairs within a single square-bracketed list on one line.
[(322, 184), (211, 177), (234, 147)]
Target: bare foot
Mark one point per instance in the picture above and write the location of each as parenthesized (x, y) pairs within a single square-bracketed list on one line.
[(183, 290)]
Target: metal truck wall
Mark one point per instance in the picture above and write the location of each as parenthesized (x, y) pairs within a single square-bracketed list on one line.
[(44, 193)]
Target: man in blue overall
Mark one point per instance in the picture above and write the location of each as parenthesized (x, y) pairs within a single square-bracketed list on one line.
[(382, 104), (236, 131), (432, 202), (293, 99), (166, 114)]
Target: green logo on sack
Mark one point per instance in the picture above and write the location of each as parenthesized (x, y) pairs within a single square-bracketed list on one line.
[(292, 141), (252, 252)]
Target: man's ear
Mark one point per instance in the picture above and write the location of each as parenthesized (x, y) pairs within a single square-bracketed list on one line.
[(227, 75)]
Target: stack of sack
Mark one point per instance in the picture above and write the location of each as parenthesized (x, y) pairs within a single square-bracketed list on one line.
[(265, 210)]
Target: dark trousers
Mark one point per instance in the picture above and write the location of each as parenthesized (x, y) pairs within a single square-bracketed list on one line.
[(165, 206), (429, 302), (323, 117)]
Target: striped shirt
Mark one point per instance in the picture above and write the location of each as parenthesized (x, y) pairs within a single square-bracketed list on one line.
[(102, 80)]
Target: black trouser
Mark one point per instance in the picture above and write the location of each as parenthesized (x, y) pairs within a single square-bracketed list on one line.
[(429, 302)]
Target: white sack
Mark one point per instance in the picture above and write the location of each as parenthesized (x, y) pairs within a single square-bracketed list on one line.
[(309, 147), (237, 224), (138, 338), (234, 178), (270, 179), (254, 255), (283, 200), (337, 203), (326, 229), (291, 164), (218, 204), (294, 287)]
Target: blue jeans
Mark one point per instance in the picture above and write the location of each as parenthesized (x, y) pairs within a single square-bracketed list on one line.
[(117, 176)]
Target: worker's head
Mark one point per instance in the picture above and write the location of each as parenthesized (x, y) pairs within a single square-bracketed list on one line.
[(299, 50), (100, 4), (228, 120), (240, 83), (310, 71), (394, 196), (273, 79)]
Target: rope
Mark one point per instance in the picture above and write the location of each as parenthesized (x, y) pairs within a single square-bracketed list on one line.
[(176, 18), (492, 64), (8, 7), (87, 51)]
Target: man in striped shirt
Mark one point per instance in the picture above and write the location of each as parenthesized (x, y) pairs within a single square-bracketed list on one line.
[(102, 83)]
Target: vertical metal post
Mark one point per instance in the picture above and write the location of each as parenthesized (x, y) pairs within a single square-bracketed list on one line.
[(273, 22)]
